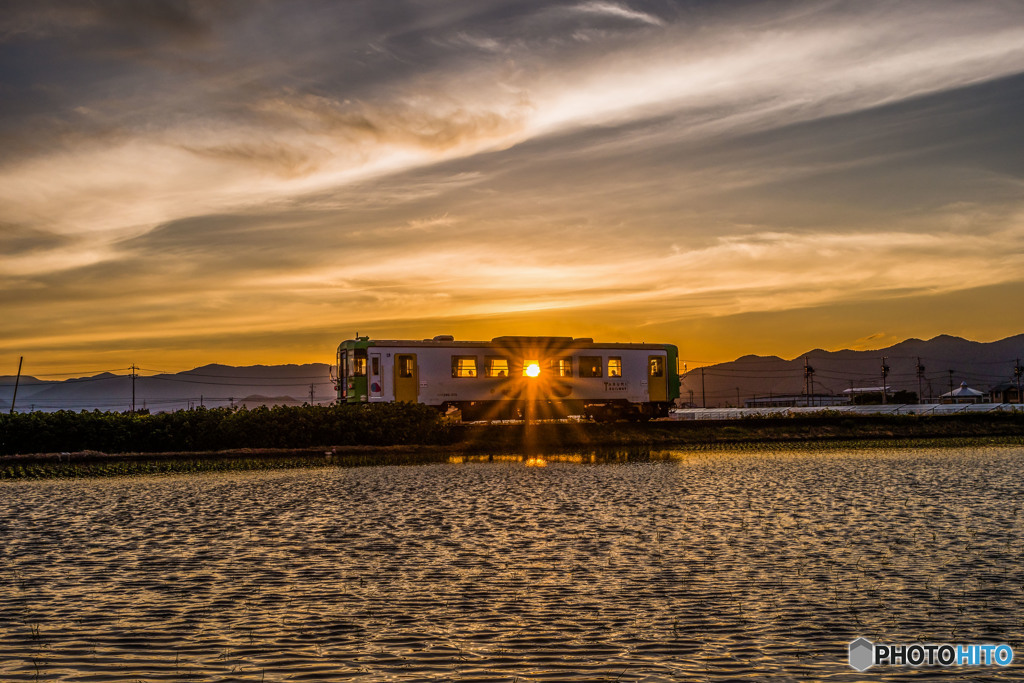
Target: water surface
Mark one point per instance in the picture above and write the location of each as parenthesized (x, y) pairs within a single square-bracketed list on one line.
[(757, 565)]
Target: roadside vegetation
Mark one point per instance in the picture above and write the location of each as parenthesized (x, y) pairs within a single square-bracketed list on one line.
[(203, 429)]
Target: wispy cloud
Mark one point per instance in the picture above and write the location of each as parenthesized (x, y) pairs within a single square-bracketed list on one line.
[(481, 160), (621, 11)]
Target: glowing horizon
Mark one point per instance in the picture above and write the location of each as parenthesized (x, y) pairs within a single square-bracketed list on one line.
[(252, 185)]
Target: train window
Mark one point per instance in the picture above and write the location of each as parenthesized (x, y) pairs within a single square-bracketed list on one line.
[(463, 366), (496, 366), (359, 363), (531, 368), (657, 367), (343, 365), (561, 367), (406, 366), (375, 366), (590, 366), (615, 366)]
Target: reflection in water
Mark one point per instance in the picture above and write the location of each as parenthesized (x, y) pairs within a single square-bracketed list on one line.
[(753, 566)]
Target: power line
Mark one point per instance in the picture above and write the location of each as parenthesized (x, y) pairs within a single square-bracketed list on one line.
[(282, 383), (192, 373), (77, 372)]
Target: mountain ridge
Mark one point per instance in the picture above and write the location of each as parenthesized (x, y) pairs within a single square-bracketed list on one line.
[(947, 360), (219, 386)]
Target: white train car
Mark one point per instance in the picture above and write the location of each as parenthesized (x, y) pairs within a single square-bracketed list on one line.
[(508, 377)]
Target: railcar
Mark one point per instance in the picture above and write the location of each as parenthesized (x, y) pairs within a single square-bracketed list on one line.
[(512, 377)]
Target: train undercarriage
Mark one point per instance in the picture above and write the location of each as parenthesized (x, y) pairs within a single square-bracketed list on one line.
[(605, 411)]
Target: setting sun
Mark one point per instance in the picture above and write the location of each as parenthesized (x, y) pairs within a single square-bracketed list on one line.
[(532, 369)]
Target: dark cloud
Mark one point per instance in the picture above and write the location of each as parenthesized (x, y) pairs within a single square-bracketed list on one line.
[(112, 24), (151, 63), (228, 244), (282, 160), (21, 239), (917, 155)]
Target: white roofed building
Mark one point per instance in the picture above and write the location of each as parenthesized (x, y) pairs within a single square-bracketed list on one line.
[(963, 394)]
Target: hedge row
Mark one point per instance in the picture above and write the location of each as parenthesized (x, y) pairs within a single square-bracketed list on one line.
[(211, 429)]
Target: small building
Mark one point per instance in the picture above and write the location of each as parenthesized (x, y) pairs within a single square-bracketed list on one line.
[(796, 401), (1007, 392), (875, 395), (963, 394), (858, 391)]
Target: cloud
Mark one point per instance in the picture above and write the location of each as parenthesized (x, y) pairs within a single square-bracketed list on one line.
[(619, 11), (372, 162), (878, 340), (115, 24), (425, 120)]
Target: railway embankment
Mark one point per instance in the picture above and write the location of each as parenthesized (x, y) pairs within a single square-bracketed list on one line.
[(39, 445)]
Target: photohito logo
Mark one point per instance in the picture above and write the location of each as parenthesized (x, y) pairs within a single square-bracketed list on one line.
[(865, 654)]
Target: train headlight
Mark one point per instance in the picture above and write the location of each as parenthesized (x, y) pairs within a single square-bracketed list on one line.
[(532, 368)]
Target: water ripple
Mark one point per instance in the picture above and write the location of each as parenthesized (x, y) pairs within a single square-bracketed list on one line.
[(749, 566)]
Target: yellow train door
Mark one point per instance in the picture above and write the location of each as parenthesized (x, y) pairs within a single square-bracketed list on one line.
[(657, 389), (407, 378)]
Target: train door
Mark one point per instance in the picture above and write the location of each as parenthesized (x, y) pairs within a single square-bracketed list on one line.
[(657, 389), (375, 376), (342, 374), (407, 378)]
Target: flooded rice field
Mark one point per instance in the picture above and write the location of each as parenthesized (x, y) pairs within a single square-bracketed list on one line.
[(704, 566)]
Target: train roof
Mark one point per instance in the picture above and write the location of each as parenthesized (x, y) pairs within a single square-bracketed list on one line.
[(507, 342)]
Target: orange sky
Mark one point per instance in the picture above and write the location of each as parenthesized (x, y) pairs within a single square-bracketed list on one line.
[(254, 183)]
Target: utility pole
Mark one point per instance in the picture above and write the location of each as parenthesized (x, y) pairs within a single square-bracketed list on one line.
[(1018, 371), (703, 394), (738, 397), (808, 382), (885, 386), (311, 393), (134, 375), (22, 358), (951, 400), (805, 380), (920, 377)]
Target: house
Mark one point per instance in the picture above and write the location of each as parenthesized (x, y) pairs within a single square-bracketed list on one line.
[(1007, 392), (963, 394)]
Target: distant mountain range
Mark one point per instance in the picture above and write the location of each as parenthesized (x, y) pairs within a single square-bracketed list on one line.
[(211, 386), (947, 362)]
